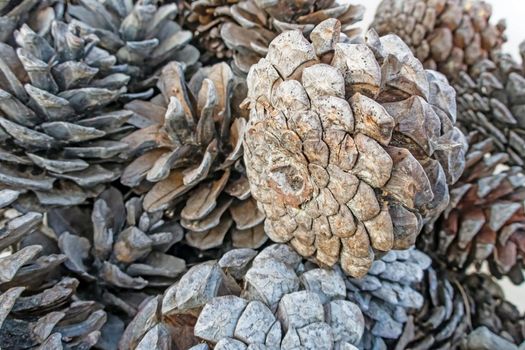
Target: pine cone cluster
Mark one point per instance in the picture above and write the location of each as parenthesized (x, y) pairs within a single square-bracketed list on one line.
[(152, 150), (350, 148)]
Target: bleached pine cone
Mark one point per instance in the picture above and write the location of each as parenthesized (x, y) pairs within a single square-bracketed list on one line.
[(350, 148)]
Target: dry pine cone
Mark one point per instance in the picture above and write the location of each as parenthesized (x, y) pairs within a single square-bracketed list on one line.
[(350, 148), (188, 157), (39, 307), (59, 127), (244, 28), (485, 220)]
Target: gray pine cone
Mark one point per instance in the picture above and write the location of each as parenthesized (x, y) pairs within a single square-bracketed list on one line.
[(141, 33), (39, 307), (275, 300), (38, 14), (119, 252), (59, 128)]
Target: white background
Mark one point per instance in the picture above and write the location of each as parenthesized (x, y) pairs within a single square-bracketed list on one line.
[(514, 13)]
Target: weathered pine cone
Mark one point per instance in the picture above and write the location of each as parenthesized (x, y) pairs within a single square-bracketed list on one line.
[(244, 28), (38, 307), (188, 157), (59, 127), (37, 14), (446, 35), (141, 33), (120, 253), (350, 148), (274, 300), (485, 220)]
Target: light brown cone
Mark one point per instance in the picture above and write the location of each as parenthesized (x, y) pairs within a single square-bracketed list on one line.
[(187, 157), (350, 148)]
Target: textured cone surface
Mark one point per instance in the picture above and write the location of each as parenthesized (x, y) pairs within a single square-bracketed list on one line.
[(443, 321), (38, 307), (243, 29), (349, 148), (447, 35), (142, 34), (188, 157), (120, 253), (485, 220), (275, 300), (59, 125)]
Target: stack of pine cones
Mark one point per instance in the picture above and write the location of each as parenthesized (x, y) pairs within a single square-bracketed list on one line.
[(250, 174)]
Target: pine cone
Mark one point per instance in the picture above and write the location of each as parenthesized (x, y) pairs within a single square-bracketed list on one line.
[(483, 339), (121, 253), (188, 157), (455, 308), (489, 308), (485, 220), (38, 14), (244, 28), (141, 34), (446, 35), (387, 296), (443, 320), (253, 299), (38, 307), (350, 148), (491, 100), (59, 129)]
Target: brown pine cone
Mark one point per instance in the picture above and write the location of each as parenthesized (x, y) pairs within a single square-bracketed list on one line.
[(39, 307), (485, 220), (350, 148), (188, 156), (446, 35), (244, 28)]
